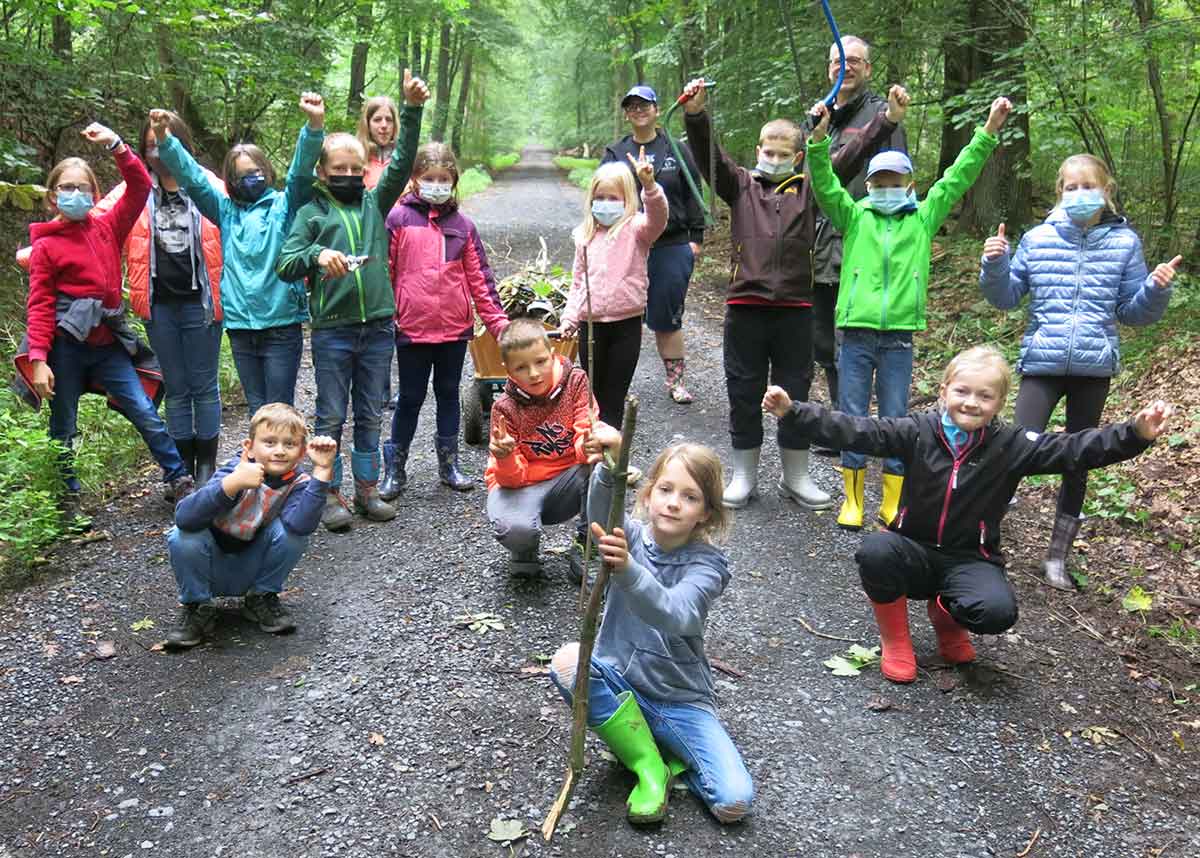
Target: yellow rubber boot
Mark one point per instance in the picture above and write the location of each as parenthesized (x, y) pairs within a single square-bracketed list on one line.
[(851, 515), (893, 484)]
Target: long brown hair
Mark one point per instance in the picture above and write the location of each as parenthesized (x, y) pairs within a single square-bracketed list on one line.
[(372, 106)]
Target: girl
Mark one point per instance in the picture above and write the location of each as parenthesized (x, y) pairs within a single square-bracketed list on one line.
[(650, 687), (352, 299), (611, 248), (961, 465), (1084, 272), (439, 268), (77, 332), (377, 129), (263, 314)]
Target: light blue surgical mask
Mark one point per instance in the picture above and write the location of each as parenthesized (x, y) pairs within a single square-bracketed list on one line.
[(1080, 205), (74, 205), (435, 192), (607, 212), (774, 171), (891, 200)]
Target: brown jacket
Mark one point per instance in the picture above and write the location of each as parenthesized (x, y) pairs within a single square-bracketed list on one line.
[(774, 226)]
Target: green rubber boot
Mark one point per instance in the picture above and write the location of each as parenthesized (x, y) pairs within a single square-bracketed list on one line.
[(629, 737)]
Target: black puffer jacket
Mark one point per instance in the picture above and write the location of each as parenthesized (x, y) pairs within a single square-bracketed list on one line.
[(957, 502)]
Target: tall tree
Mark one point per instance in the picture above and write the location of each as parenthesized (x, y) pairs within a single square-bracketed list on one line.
[(464, 90), (364, 22)]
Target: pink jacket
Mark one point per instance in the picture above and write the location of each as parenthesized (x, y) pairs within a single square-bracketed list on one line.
[(617, 268), (438, 268)]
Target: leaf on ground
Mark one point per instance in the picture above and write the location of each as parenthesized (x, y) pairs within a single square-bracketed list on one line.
[(853, 660), (1068, 708), (377, 739), (879, 703), (1101, 735), (535, 668), (51, 650), (105, 649), (754, 573), (505, 831), (841, 666), (70, 680), (481, 624), (1137, 599), (143, 624)]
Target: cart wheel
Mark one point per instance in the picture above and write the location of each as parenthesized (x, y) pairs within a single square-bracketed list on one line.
[(472, 414)]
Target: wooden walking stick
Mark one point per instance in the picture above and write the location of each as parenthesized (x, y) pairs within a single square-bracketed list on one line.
[(587, 629), (594, 416)]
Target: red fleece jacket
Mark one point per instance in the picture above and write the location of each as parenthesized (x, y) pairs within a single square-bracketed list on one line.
[(82, 259)]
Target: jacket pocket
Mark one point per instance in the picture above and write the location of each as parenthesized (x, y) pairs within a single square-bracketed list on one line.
[(679, 675), (850, 298)]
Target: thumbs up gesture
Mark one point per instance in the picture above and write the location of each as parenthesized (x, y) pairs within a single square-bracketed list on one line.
[(1163, 274), (416, 92), (996, 246), (247, 475), (501, 443)]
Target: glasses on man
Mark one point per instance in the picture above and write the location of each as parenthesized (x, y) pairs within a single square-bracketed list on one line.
[(71, 187), (639, 107), (853, 62)]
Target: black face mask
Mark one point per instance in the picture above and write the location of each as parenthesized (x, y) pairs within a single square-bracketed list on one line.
[(345, 189)]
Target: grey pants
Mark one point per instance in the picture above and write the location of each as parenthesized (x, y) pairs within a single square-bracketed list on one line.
[(517, 515)]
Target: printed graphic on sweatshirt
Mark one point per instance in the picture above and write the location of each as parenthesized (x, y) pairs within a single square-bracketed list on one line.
[(554, 439)]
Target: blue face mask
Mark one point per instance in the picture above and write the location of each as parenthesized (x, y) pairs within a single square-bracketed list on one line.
[(607, 212), (891, 200), (74, 205), (251, 186), (955, 435), (1080, 205)]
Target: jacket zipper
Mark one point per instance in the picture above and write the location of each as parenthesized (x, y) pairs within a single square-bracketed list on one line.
[(983, 540), (887, 274), (778, 233), (850, 298), (900, 518), (354, 233), (952, 483), (1075, 301)]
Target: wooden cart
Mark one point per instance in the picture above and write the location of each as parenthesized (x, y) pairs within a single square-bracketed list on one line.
[(488, 382)]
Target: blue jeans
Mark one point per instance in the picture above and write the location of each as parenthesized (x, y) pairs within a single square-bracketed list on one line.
[(352, 361), (879, 359), (203, 570), (74, 365), (715, 771), (267, 362), (414, 362), (189, 351)]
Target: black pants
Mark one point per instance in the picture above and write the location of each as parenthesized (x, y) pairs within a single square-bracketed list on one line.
[(618, 345), (1036, 400), (976, 593), (825, 297), (762, 341)]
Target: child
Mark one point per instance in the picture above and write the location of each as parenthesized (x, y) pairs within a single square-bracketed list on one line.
[(352, 303), (263, 315), (611, 248), (963, 465), (885, 272), (439, 268), (768, 311), (378, 127), (1084, 272), (243, 532), (78, 334), (541, 441), (651, 695)]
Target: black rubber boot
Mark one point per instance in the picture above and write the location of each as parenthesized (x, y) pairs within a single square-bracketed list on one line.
[(447, 453), (187, 452), (1054, 567), (206, 459), (395, 478)]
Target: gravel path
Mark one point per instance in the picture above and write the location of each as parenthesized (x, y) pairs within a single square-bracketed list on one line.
[(381, 728)]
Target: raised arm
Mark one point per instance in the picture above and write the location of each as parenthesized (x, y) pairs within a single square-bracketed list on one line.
[(299, 188), (730, 177), (190, 176), (399, 169), (652, 220), (884, 437), (833, 199), (1004, 281), (1063, 452)]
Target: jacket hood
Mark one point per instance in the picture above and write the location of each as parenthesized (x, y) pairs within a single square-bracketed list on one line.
[(692, 554), (1071, 231), (562, 374)]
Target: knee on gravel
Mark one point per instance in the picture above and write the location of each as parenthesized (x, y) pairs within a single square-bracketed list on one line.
[(564, 662)]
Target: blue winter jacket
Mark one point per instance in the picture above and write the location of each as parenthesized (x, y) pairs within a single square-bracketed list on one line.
[(1081, 281)]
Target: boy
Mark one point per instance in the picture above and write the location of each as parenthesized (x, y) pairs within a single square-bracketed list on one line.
[(885, 272), (339, 242), (243, 532), (541, 440), (768, 313)]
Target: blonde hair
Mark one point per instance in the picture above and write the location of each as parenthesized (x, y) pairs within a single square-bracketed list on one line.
[(279, 416), (372, 106), (342, 142), (522, 333), (1099, 171), (56, 174), (704, 466), (782, 129), (614, 171), (984, 358)]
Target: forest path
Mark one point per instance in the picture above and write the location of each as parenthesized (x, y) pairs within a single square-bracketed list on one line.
[(383, 728)]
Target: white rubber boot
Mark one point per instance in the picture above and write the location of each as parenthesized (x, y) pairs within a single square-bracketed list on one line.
[(745, 478), (797, 484)]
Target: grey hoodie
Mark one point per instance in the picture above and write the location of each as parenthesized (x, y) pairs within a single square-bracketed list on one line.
[(653, 626)]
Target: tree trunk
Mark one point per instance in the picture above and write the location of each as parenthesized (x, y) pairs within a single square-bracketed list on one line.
[(956, 77), (427, 62), (178, 84), (358, 60), (1144, 9), (61, 38), (444, 83), (416, 55), (401, 61), (460, 112)]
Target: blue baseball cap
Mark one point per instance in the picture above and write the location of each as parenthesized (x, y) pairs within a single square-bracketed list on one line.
[(891, 161), (640, 91)]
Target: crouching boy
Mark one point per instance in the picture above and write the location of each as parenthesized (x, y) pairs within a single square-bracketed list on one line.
[(243, 532)]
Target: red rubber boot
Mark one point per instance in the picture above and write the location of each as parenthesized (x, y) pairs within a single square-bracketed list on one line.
[(898, 663), (954, 642)]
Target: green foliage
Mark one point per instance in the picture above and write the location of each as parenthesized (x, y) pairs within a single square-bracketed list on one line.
[(496, 163), (579, 170), (472, 181), (1111, 494), (29, 486)]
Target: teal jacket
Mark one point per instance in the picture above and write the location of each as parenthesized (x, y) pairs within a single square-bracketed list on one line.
[(885, 259), (252, 295), (364, 294)]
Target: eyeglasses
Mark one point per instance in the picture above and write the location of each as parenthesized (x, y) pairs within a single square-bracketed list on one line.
[(853, 62), (69, 188), (639, 107)]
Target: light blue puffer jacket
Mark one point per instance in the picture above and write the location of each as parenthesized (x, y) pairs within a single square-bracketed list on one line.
[(1081, 281)]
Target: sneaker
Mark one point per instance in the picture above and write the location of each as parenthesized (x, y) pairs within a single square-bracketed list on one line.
[(196, 622), (576, 566), (266, 610)]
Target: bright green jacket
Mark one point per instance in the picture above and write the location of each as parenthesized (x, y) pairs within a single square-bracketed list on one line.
[(885, 259), (364, 294)]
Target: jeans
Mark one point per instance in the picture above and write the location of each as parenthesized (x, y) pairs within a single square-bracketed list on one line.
[(414, 362), (715, 771), (189, 350), (267, 362), (75, 365), (879, 359), (203, 570), (352, 361), (517, 515)]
